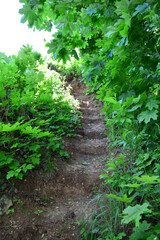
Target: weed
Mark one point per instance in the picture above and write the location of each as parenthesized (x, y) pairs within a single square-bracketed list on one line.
[(10, 211), (38, 212)]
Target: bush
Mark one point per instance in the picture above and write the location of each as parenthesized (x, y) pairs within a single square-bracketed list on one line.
[(36, 111)]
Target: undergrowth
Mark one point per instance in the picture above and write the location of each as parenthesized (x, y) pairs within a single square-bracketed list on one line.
[(37, 110), (72, 69)]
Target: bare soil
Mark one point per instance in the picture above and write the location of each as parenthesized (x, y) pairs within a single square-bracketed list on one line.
[(50, 203)]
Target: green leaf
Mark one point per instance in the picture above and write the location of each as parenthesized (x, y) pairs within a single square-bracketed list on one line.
[(152, 104), (139, 232), (148, 179), (43, 134), (55, 55), (27, 167), (28, 14), (10, 128), (20, 176), (110, 100), (153, 237), (122, 6), (120, 199), (5, 159), (10, 174), (147, 115), (127, 18), (124, 32), (75, 54), (91, 11), (121, 235), (135, 213), (85, 163), (111, 32), (134, 185), (140, 8), (35, 160), (121, 42), (15, 145)]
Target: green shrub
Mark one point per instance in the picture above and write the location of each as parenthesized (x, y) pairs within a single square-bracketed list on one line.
[(36, 111)]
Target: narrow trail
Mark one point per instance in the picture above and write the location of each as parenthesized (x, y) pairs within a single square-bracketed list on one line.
[(50, 205)]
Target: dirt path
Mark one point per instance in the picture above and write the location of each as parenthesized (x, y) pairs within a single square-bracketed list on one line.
[(48, 205)]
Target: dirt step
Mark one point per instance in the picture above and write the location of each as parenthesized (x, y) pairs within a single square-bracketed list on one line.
[(94, 130), (91, 169), (67, 210), (81, 96), (84, 104), (93, 119), (88, 104), (88, 146), (87, 134), (94, 160), (88, 112), (70, 183)]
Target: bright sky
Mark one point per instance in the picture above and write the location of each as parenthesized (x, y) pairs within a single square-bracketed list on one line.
[(14, 34)]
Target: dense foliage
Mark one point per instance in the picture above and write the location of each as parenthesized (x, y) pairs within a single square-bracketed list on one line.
[(119, 44), (36, 111)]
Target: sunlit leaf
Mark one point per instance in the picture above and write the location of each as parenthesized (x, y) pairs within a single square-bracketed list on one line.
[(121, 199), (140, 8), (148, 179)]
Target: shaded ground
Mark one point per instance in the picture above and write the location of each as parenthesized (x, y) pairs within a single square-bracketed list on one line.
[(49, 204)]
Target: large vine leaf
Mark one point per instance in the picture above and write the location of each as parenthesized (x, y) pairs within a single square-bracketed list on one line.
[(152, 104), (135, 213), (29, 15), (140, 232), (147, 115)]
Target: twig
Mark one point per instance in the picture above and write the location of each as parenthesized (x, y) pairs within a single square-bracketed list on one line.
[(155, 143)]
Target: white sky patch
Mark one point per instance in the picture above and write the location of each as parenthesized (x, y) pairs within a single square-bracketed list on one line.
[(14, 34)]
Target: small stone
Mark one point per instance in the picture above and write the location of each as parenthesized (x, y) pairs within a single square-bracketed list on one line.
[(16, 190), (5, 204)]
